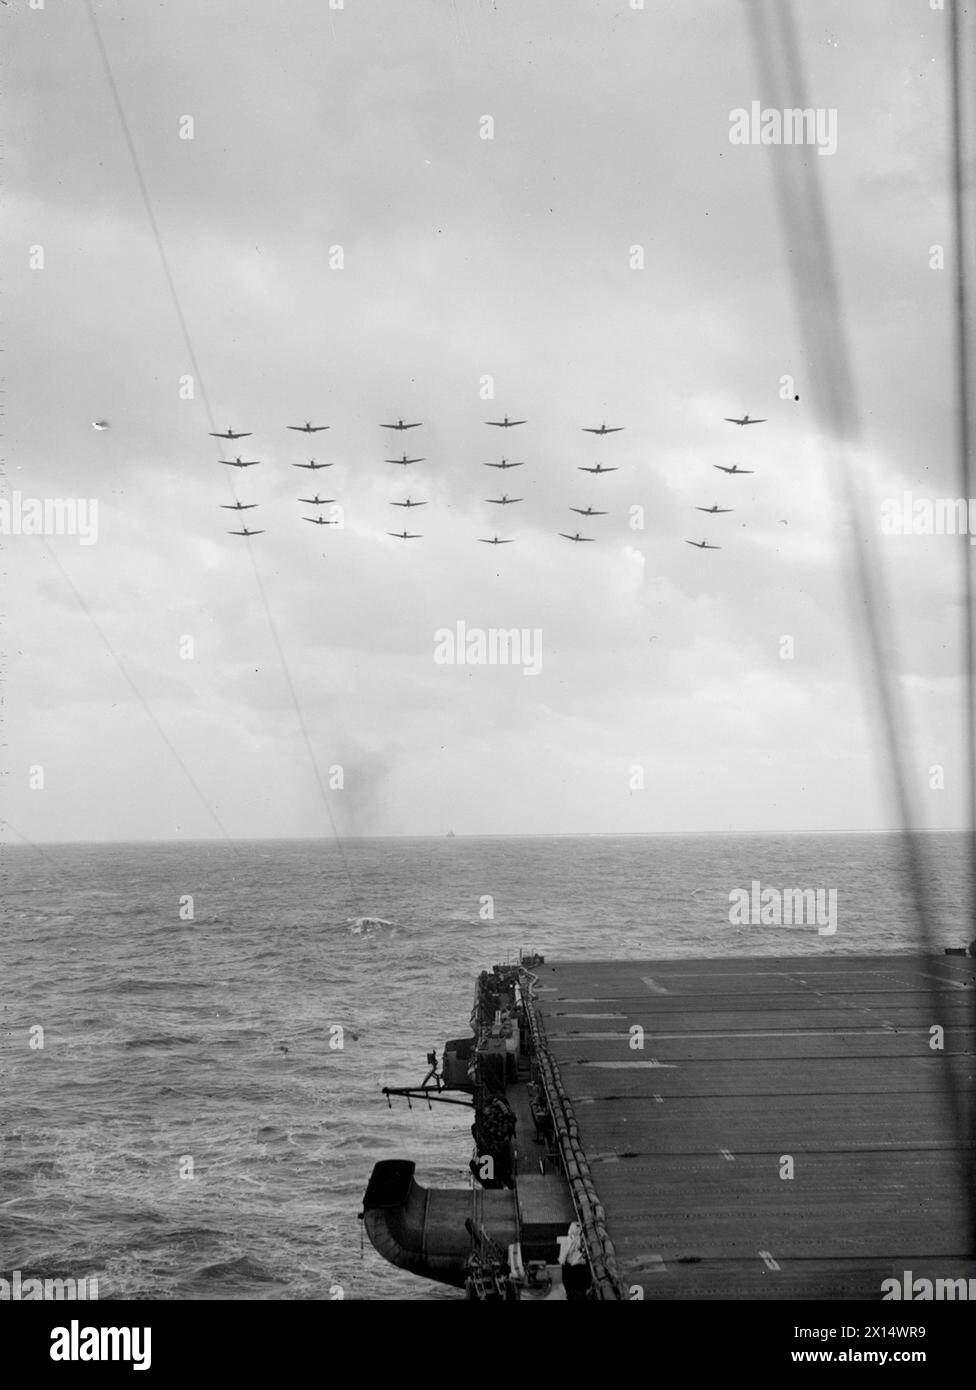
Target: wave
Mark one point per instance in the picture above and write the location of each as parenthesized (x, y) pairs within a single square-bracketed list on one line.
[(360, 925), (162, 1040), (132, 986), (236, 1271)]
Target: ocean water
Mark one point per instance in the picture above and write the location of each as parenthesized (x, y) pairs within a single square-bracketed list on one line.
[(168, 1042)]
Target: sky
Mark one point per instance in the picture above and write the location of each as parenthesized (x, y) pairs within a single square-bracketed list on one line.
[(346, 246)]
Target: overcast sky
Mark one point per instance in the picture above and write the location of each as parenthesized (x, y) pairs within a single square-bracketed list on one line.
[(464, 258)]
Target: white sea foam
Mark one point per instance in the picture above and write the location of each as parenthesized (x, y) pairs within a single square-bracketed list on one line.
[(358, 925)]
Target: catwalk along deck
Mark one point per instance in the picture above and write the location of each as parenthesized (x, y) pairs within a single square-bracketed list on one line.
[(683, 1129)]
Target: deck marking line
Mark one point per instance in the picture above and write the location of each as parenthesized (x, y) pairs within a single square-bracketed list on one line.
[(559, 1015), (653, 985), (943, 981), (628, 1066), (760, 1033), (773, 1033)]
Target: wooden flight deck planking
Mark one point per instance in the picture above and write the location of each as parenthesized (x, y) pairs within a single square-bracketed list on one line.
[(748, 1061)]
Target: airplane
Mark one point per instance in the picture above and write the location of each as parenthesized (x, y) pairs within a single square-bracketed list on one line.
[(239, 462), (703, 545), (505, 424), (319, 521), (404, 536), (245, 532), (401, 426), (604, 429), (403, 461), (577, 537), (311, 464), (230, 434), (505, 464), (588, 511), (504, 500), (100, 425), (716, 508), (308, 427), (494, 541), (597, 468), (734, 469), (744, 421), (316, 501), (237, 506), (408, 503)]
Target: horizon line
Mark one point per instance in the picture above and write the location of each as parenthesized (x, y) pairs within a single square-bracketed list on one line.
[(486, 835)]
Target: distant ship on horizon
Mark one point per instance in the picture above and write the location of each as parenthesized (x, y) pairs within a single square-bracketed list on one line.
[(450, 835)]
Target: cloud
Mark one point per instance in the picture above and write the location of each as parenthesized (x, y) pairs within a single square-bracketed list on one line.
[(463, 260)]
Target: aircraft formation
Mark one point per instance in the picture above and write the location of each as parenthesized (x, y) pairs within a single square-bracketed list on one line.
[(734, 471), (505, 463), (406, 460)]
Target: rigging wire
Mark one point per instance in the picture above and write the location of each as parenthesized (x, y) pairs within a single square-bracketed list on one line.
[(817, 298), (962, 311), (198, 377), (41, 851), (147, 709), (962, 318), (149, 712)]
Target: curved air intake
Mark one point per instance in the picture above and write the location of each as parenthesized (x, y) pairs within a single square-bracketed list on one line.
[(422, 1229)]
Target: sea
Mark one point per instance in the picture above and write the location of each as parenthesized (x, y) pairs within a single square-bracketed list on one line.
[(194, 1037)]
